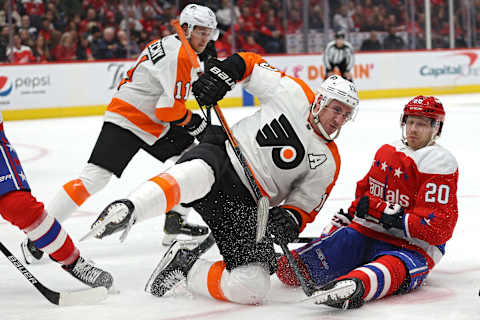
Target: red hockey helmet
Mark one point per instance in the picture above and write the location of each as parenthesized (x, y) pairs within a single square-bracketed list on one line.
[(422, 106)]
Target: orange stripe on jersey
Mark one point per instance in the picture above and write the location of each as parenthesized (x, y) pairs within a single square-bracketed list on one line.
[(309, 217), (214, 280), (76, 191), (336, 156), (181, 90), (170, 188), (251, 59), (308, 92), (135, 116)]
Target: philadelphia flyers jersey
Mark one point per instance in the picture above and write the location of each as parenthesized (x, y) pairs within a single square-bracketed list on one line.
[(154, 91), (294, 166), (424, 183)]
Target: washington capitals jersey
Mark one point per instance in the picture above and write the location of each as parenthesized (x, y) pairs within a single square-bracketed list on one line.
[(12, 176), (154, 91), (294, 165), (424, 183)]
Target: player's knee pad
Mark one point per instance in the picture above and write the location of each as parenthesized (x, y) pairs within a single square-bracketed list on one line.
[(94, 178), (248, 284)]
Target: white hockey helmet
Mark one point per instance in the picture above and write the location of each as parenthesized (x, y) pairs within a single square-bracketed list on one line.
[(197, 15), (335, 88)]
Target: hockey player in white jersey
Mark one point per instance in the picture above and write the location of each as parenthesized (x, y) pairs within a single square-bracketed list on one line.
[(146, 112), (289, 145)]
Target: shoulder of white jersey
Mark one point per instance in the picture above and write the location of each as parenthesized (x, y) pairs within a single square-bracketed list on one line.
[(330, 44), (434, 159), (348, 45), (162, 49)]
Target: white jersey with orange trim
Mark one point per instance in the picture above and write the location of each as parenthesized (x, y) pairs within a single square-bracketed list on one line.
[(293, 164), (154, 91)]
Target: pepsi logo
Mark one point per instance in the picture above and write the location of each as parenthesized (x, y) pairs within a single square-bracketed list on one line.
[(5, 86)]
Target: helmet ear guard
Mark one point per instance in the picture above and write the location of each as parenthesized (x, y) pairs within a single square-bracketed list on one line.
[(196, 15)]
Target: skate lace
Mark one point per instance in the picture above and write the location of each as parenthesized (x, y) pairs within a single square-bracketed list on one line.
[(86, 272)]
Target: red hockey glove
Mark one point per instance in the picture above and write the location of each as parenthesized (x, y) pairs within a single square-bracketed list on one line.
[(388, 214)]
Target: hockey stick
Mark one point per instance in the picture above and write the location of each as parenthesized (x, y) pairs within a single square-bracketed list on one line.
[(65, 298), (308, 287), (231, 138)]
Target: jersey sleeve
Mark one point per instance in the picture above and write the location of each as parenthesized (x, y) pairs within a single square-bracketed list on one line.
[(311, 191), (174, 72), (263, 80), (435, 213)]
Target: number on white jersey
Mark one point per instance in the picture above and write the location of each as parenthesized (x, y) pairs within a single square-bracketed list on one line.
[(178, 90)]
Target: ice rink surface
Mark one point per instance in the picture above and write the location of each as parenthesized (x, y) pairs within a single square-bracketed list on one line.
[(54, 151)]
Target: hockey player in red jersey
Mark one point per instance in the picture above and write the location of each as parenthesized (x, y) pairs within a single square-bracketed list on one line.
[(404, 212), (20, 208), (289, 145), (147, 112)]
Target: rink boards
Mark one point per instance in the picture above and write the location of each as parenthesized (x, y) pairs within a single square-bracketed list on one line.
[(78, 89)]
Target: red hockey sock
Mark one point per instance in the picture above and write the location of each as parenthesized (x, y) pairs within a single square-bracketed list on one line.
[(380, 278)]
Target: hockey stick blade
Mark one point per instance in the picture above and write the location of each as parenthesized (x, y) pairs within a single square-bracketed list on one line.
[(65, 298), (86, 296), (262, 218)]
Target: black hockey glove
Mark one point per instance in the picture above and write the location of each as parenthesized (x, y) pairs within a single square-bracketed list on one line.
[(388, 214), (284, 224), (219, 78), (197, 125)]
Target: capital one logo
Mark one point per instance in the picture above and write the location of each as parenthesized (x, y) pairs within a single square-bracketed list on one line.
[(6, 86)]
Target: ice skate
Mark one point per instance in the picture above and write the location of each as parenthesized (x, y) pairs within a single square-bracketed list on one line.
[(117, 216), (177, 229), (173, 269), (90, 275), (30, 252), (342, 294)]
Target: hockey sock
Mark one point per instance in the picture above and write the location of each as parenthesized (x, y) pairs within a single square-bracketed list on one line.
[(285, 273), (24, 211), (182, 183), (380, 278), (247, 284), (75, 192)]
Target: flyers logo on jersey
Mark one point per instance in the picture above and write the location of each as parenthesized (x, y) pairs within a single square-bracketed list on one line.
[(288, 151), (156, 51), (377, 189)]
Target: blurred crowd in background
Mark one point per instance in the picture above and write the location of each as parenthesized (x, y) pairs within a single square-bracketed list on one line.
[(64, 30)]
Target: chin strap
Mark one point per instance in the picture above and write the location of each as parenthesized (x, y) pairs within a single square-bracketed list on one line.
[(327, 137)]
